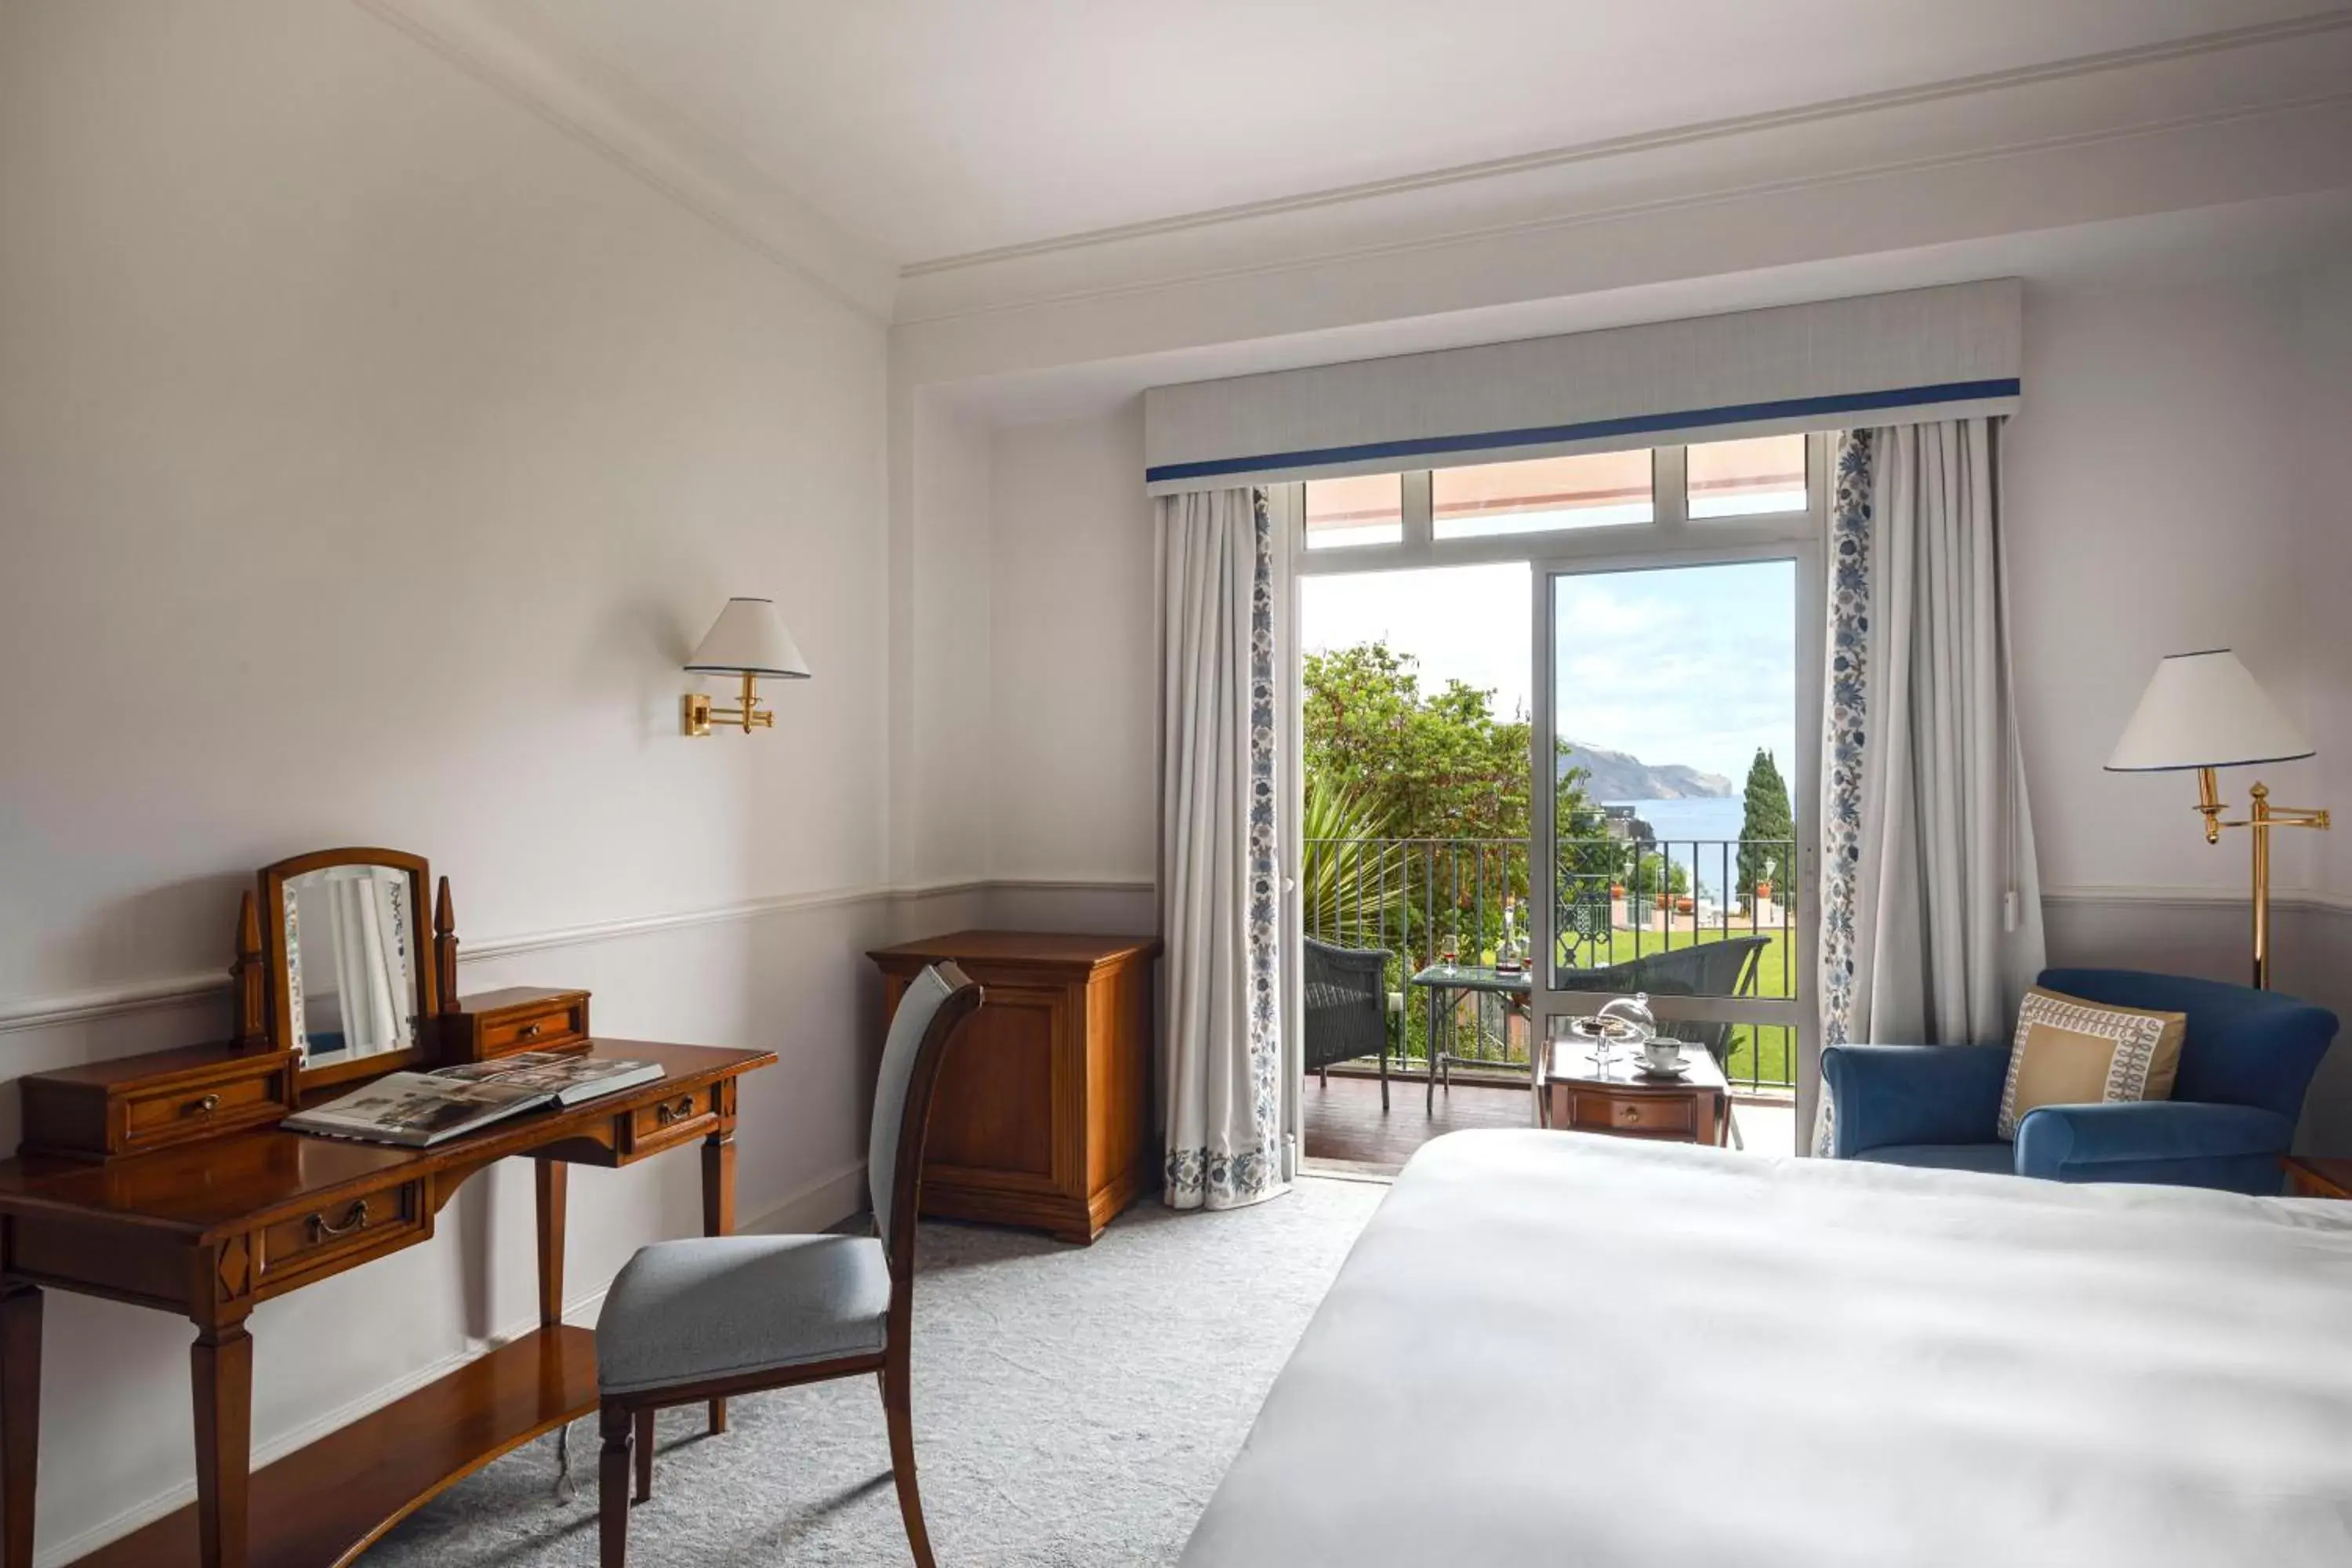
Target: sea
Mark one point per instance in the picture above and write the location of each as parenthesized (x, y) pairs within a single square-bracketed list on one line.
[(1712, 822)]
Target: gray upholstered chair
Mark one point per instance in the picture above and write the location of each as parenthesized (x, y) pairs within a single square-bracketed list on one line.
[(687, 1321)]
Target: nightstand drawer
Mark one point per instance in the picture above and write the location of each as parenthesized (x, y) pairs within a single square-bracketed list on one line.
[(341, 1232), (1597, 1110)]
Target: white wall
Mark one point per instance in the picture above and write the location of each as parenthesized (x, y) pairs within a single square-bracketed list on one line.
[(1074, 657), (371, 453), (2323, 332), (950, 600), (2152, 510)]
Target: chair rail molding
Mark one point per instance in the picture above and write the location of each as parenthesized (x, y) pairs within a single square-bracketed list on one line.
[(93, 1003)]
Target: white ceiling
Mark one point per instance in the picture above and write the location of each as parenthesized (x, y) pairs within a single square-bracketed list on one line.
[(937, 128)]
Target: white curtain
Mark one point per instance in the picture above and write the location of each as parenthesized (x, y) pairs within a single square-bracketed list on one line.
[(1931, 907), (1222, 1067), (367, 931)]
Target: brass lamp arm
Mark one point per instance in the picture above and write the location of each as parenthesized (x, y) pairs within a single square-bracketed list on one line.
[(2266, 817), (697, 712)]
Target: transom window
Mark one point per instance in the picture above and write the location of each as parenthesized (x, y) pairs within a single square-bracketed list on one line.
[(1762, 483)]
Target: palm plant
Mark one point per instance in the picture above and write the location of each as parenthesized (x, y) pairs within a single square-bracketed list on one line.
[(1349, 892)]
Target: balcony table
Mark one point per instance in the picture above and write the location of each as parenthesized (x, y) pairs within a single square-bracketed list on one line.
[(1446, 982)]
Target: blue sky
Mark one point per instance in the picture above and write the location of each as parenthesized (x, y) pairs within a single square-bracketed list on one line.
[(1691, 663)]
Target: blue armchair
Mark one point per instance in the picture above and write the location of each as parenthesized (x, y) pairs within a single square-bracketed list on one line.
[(2245, 1063)]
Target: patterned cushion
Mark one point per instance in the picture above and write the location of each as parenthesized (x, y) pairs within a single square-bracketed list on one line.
[(2073, 1052)]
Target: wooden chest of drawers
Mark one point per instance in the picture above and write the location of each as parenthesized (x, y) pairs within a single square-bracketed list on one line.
[(1042, 1114)]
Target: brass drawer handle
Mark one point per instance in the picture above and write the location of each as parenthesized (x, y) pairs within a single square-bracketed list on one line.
[(204, 1107), (355, 1218), (1629, 1114), (666, 1114), (528, 1032)]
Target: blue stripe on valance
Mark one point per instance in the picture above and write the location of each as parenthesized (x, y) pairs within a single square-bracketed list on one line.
[(1951, 352), (1598, 429)]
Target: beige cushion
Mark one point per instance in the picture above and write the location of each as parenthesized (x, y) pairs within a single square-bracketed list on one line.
[(2073, 1052)]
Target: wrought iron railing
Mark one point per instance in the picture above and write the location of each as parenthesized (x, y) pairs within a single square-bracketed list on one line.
[(1628, 914)]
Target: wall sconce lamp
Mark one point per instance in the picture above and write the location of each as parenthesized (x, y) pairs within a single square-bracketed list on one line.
[(2203, 710), (747, 639)]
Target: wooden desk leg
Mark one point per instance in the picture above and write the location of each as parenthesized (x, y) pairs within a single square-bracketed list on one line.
[(718, 1215), (20, 1419), (553, 1185), (223, 1365)]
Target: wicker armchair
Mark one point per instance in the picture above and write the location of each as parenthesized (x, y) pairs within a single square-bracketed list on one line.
[(1347, 1004)]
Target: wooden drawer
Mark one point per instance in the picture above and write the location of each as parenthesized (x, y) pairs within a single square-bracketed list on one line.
[(672, 1118), (522, 1019), (1648, 1116), (167, 1115), (536, 1029), (341, 1233), (131, 1105)]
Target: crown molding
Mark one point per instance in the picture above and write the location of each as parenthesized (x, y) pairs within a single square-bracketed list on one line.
[(2249, 114), (1677, 136), (598, 105)]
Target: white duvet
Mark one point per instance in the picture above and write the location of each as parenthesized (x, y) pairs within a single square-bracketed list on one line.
[(1550, 1348)]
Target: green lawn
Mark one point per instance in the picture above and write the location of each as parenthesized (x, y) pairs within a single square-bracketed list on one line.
[(1761, 1055), (1770, 1059)]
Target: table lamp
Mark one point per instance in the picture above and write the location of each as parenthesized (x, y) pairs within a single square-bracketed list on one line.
[(2203, 710), (749, 640)]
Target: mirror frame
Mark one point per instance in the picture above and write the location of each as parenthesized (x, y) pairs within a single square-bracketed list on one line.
[(273, 879)]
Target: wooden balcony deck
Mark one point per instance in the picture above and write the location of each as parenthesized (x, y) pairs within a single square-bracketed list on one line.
[(1345, 1127)]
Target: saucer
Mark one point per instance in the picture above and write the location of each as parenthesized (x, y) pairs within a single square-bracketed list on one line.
[(1680, 1069)]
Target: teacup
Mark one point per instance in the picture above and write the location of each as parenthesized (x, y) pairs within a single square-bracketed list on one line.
[(1662, 1053)]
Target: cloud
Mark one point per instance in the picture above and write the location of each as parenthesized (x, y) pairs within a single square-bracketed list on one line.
[(1694, 664)]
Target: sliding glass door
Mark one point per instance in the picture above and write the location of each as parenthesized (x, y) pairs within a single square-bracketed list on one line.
[(1554, 724), (1676, 723)]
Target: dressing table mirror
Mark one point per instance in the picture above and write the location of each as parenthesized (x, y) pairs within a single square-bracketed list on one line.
[(352, 984)]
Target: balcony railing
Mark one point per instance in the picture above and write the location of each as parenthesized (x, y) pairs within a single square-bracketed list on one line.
[(1628, 914)]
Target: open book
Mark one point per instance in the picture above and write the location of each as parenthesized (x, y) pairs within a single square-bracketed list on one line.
[(421, 1108)]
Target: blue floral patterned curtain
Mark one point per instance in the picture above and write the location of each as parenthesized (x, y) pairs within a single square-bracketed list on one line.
[(1219, 878), (1931, 909)]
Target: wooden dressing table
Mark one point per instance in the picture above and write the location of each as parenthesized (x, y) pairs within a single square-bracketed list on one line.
[(123, 1192)]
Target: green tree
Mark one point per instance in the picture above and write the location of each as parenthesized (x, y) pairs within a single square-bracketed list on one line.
[(1431, 764), (1767, 818), (1655, 874)]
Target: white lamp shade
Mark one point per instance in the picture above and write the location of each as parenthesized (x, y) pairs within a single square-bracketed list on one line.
[(748, 638), (2204, 710)]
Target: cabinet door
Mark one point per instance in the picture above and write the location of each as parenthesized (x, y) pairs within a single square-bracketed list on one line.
[(992, 1117)]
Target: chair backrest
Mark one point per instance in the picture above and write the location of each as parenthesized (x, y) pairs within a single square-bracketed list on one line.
[(934, 1006), (1726, 968), (2244, 1046)]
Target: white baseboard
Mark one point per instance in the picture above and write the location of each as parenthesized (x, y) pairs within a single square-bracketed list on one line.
[(811, 1206)]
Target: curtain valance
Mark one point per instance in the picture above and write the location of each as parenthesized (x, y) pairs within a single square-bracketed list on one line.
[(1883, 359)]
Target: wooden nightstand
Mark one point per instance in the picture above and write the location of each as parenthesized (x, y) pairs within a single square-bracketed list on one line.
[(2317, 1176), (1573, 1095)]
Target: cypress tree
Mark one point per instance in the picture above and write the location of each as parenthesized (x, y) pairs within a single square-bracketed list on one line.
[(1768, 818)]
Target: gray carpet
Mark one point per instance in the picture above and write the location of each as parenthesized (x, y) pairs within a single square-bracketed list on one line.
[(1072, 1407)]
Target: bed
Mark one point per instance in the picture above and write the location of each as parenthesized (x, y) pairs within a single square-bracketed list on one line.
[(1554, 1348)]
